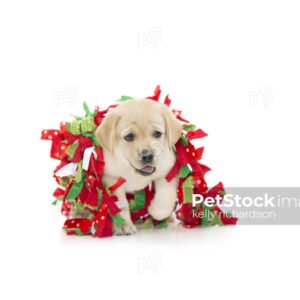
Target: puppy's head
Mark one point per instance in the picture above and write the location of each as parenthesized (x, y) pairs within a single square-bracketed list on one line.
[(139, 133)]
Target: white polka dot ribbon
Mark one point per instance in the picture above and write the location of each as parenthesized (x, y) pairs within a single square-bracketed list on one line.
[(67, 170)]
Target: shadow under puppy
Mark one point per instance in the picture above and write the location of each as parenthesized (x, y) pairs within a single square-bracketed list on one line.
[(138, 139)]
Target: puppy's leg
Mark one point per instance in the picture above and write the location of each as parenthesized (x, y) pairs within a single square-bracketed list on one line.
[(164, 201), (128, 227)]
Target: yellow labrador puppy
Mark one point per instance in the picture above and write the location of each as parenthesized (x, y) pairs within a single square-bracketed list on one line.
[(138, 139)]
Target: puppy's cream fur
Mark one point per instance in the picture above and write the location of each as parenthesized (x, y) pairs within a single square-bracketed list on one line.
[(142, 118)]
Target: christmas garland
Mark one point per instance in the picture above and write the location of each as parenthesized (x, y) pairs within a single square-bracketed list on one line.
[(88, 202)]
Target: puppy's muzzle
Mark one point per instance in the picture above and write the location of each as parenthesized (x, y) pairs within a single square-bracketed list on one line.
[(146, 158)]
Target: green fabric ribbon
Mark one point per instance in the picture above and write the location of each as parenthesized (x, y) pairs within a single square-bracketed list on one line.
[(140, 199), (147, 224), (75, 190), (138, 202), (206, 212), (74, 127), (184, 140), (118, 220), (184, 171), (125, 98), (83, 125), (79, 173), (87, 124), (188, 186), (162, 224), (189, 127), (71, 150)]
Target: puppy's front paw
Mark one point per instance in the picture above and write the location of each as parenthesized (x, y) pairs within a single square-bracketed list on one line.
[(160, 212), (125, 229)]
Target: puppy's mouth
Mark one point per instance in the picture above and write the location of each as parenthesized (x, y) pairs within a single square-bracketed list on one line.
[(146, 170)]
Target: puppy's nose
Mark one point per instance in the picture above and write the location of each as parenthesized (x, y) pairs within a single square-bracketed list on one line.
[(147, 157)]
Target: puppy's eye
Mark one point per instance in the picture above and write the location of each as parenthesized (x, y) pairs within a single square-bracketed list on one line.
[(157, 134), (129, 137)]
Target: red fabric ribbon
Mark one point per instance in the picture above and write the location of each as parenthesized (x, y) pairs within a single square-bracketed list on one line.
[(116, 185), (101, 221), (197, 134), (167, 101), (156, 95), (173, 172)]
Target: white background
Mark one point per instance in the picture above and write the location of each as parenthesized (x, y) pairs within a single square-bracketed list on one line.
[(231, 66)]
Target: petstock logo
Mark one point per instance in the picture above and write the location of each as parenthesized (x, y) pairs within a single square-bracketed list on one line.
[(152, 37), (254, 205), (152, 262)]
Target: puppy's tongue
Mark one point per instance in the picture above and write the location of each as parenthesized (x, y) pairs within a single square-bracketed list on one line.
[(148, 169)]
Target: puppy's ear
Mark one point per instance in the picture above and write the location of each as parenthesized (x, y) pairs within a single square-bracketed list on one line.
[(173, 127), (106, 131)]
